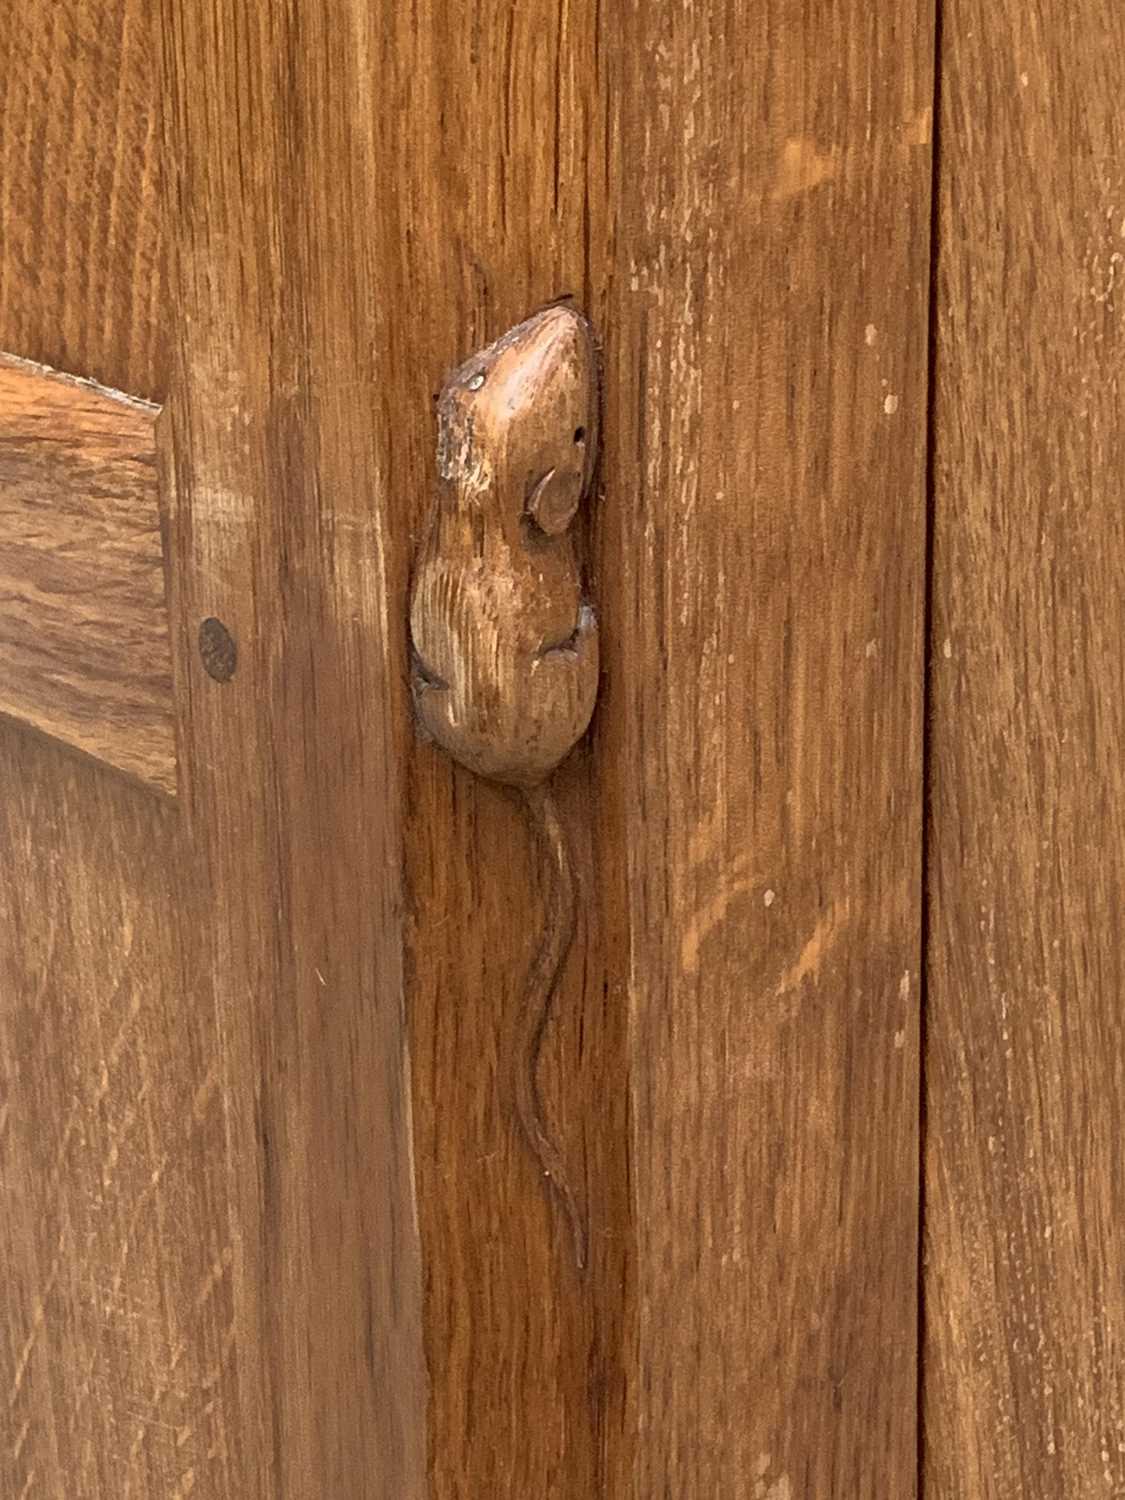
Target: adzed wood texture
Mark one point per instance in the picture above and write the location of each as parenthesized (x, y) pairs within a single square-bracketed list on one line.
[(759, 744), (81, 269), (119, 1366), (84, 652), (1025, 1057)]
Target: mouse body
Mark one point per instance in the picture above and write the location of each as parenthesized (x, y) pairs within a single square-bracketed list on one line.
[(505, 666)]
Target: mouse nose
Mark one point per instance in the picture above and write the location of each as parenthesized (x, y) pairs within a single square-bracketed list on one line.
[(557, 328)]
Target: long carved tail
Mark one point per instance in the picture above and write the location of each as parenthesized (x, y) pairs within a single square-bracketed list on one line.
[(539, 997)]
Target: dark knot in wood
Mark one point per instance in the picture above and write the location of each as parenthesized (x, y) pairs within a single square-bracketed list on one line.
[(217, 650)]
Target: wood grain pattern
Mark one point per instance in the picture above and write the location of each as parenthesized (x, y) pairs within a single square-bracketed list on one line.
[(760, 744), (1025, 1058), (118, 1362), (487, 126), (81, 279), (84, 652), (118, 1365), (358, 195), (292, 774), (81, 275), (738, 197)]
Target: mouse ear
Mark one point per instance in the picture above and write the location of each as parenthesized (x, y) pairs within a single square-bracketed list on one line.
[(554, 500)]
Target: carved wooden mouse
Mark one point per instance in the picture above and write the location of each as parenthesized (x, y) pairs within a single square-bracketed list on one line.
[(505, 664), (506, 651)]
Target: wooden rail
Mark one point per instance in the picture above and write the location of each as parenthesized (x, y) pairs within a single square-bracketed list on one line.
[(84, 651)]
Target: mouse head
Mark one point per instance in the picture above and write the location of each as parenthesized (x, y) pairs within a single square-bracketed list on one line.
[(518, 421)]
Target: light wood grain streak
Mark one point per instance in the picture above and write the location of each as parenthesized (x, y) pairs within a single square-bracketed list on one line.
[(1025, 1063), (84, 652)]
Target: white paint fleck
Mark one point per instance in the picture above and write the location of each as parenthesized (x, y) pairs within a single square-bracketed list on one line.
[(870, 334), (947, 648), (904, 985), (872, 648), (890, 405), (770, 897), (900, 1040), (1025, 79)]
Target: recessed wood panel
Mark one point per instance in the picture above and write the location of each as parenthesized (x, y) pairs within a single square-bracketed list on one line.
[(117, 1360), (81, 271), (84, 654)]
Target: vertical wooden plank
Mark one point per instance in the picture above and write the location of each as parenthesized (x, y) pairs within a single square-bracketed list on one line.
[(739, 198), (491, 132), (293, 754), (1025, 1056), (758, 746)]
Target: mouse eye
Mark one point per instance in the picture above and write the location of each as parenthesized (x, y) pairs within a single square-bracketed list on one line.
[(424, 674), (475, 382)]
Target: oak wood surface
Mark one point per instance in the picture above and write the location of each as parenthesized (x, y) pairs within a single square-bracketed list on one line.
[(759, 745), (490, 127), (118, 1365), (117, 1350), (84, 652), (1025, 1058), (358, 196), (280, 526), (81, 274), (738, 199)]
